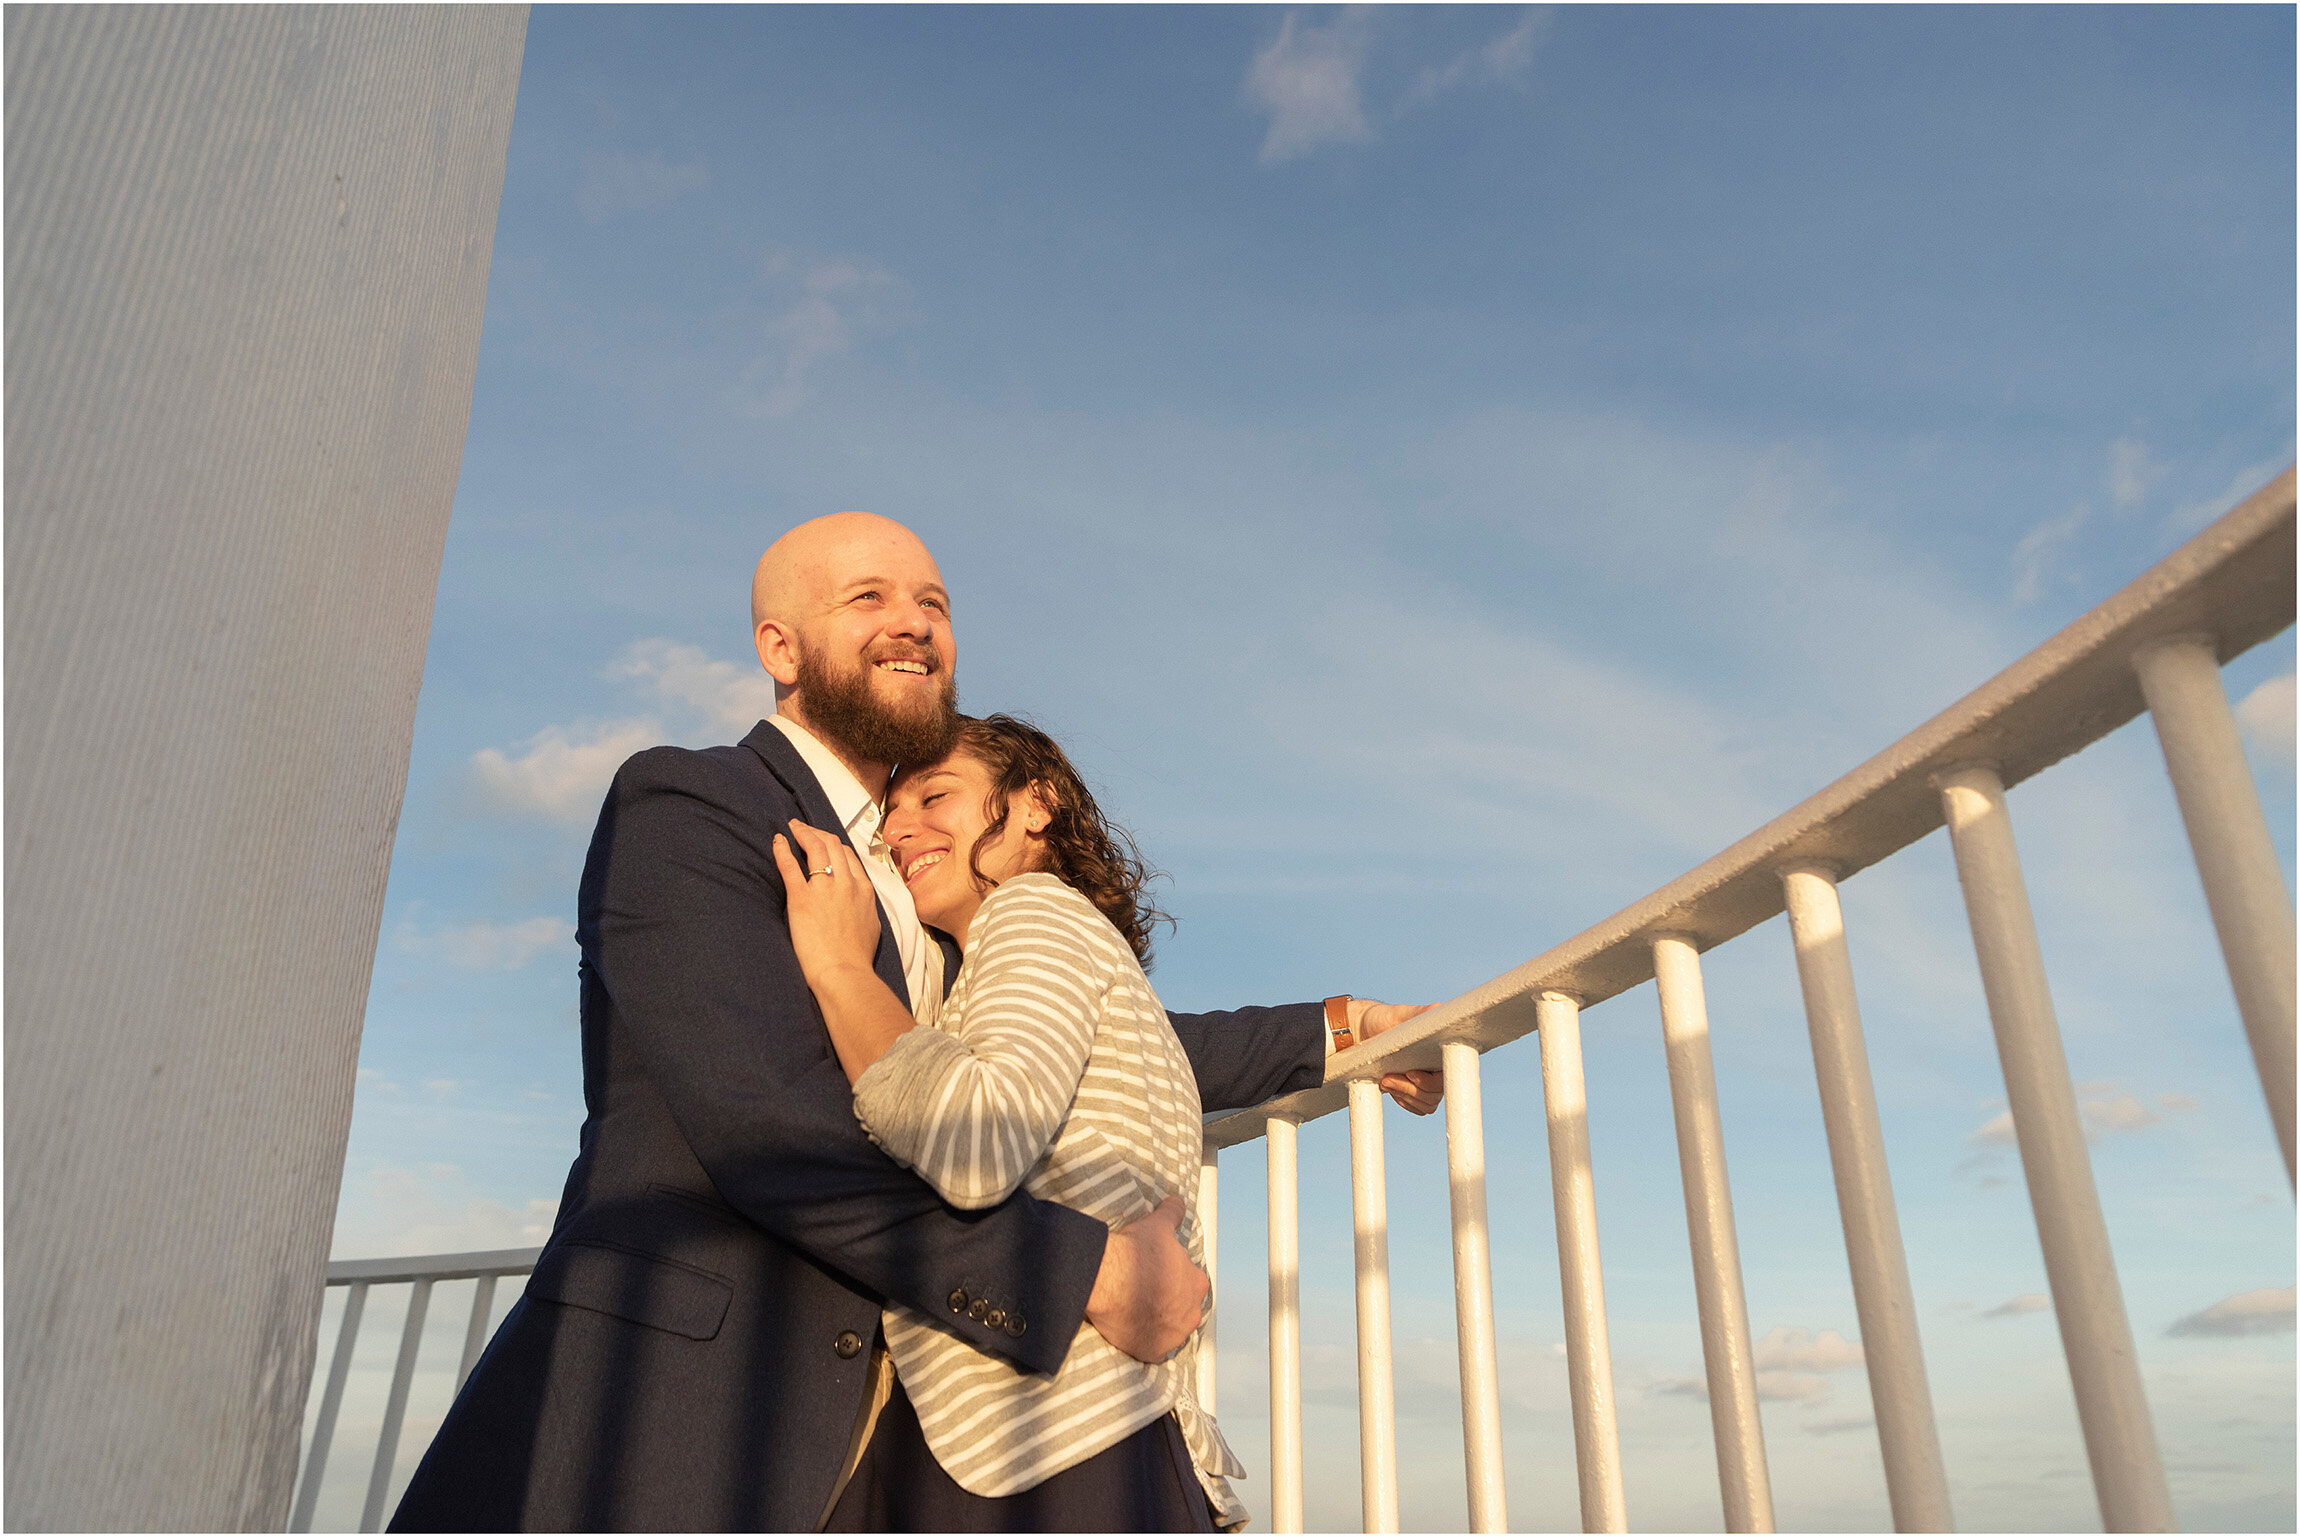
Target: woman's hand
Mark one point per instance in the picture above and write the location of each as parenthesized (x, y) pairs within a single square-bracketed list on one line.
[(833, 906)]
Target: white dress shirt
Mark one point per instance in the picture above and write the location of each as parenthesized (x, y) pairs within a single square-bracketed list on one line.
[(859, 814)]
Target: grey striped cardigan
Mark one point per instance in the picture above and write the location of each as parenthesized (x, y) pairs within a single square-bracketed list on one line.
[(1051, 1067)]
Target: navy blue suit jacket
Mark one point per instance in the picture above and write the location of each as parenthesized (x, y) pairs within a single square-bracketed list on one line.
[(690, 1353)]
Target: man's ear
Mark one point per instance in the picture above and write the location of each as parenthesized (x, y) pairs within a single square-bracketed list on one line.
[(778, 645)]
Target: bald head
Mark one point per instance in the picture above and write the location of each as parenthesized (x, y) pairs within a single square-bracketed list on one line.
[(799, 571)]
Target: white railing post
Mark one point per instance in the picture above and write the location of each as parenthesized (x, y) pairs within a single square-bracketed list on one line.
[(1377, 1398), (1209, 1234), (1916, 1481), (1285, 1327), (475, 1332), (2119, 1438), (1473, 1291), (1581, 1279), (395, 1408), (1743, 1478), (330, 1402), (2243, 885)]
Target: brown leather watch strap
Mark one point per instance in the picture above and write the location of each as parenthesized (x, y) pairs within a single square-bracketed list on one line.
[(1338, 1021)]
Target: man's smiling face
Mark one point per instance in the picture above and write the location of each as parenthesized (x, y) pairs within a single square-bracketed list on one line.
[(854, 622)]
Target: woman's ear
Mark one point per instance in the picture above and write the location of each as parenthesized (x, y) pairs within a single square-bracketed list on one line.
[(1037, 807)]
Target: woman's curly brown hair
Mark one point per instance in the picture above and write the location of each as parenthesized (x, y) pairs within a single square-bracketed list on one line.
[(1085, 850)]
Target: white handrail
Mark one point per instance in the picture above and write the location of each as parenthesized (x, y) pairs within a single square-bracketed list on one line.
[(421, 1272), (2221, 593)]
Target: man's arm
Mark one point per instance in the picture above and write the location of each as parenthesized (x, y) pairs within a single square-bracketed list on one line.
[(682, 922), (1245, 1056)]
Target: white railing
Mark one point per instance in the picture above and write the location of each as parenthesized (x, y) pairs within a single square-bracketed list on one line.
[(2157, 645), (420, 1274)]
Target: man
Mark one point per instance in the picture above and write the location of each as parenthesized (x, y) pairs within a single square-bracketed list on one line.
[(695, 1349)]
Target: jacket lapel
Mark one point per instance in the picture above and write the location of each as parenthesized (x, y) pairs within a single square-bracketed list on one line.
[(783, 761)]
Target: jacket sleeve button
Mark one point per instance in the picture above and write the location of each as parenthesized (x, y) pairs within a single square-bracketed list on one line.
[(848, 1344), (995, 1318), (979, 1308), (958, 1299), (1015, 1325)]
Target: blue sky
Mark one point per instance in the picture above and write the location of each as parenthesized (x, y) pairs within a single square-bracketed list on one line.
[(1443, 472)]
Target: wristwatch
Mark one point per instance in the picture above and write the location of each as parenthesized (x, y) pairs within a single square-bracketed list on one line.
[(1338, 1021)]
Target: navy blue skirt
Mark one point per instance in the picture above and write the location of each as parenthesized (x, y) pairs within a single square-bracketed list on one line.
[(1143, 1484)]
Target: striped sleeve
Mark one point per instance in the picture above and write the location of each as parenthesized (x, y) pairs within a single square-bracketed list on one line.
[(973, 1112)]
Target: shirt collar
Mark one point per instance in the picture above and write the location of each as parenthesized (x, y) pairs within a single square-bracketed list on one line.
[(856, 809)]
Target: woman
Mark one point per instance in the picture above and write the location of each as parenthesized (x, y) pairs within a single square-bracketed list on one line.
[(1051, 1067)]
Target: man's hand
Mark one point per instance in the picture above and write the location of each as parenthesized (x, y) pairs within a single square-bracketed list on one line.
[(1414, 1089), (1148, 1298)]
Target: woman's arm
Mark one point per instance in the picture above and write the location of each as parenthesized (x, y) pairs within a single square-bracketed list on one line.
[(973, 1112), (834, 927)]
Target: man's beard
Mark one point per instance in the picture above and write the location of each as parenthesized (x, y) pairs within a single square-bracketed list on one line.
[(846, 711)]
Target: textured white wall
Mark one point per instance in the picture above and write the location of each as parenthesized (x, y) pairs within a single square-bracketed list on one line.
[(247, 256)]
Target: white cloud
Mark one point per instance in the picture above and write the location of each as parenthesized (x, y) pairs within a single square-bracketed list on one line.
[(370, 1078), (2026, 1302), (1840, 1426), (1772, 1387), (1307, 79), (616, 184), (562, 771), (2103, 1107), (1792, 1366), (2267, 1311), (2106, 1108), (558, 773), (733, 696), (444, 1091), (2191, 516), (1503, 61), (2037, 547), (1801, 1350), (2266, 717), (1790, 1387), (485, 946), (836, 300), (434, 1211), (2131, 471)]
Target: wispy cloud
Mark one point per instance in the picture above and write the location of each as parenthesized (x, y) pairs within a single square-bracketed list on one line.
[(1840, 1427), (1502, 61), (2188, 517), (560, 772), (616, 184), (835, 302), (734, 696), (485, 946), (2103, 1106), (435, 1210), (2267, 1311), (2266, 717), (1801, 1350), (2038, 546), (1793, 1366), (1309, 79), (2131, 471), (2015, 1307)]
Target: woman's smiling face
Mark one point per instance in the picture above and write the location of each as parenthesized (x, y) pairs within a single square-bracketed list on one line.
[(934, 818)]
